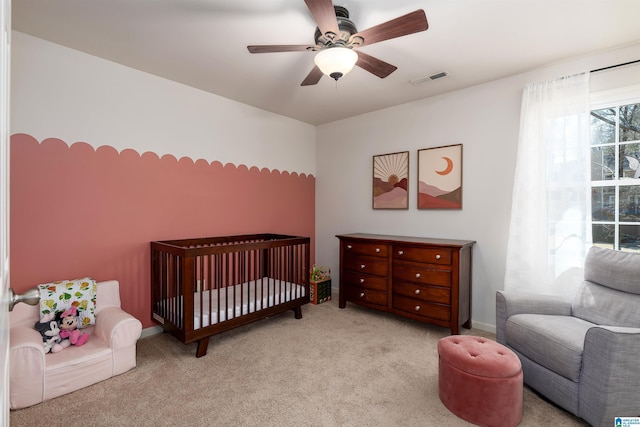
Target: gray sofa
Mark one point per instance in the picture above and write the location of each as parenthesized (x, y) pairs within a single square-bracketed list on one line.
[(582, 354)]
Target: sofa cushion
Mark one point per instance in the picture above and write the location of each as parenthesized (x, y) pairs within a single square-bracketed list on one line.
[(555, 342), (613, 269), (77, 367), (605, 306)]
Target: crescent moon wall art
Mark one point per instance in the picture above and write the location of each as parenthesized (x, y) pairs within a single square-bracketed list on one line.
[(448, 169), (390, 181), (440, 177)]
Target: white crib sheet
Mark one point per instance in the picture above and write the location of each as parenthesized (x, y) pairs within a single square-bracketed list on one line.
[(241, 299)]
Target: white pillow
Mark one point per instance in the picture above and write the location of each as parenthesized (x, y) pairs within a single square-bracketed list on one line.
[(63, 294)]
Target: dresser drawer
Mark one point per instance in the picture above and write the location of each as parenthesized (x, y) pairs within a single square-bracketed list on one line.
[(358, 294), (364, 248), (356, 279), (422, 308), (421, 273), (423, 293), (379, 267), (435, 255)]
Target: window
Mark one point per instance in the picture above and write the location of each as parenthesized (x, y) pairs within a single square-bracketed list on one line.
[(615, 176)]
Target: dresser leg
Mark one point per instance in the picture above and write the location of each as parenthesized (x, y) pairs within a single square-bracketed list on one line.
[(342, 301)]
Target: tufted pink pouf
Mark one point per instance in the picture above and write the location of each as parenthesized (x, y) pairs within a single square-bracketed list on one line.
[(480, 380)]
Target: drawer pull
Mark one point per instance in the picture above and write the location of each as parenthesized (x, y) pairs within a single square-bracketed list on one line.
[(417, 308), (361, 294), (417, 292), (361, 266), (349, 246), (361, 280), (438, 256), (400, 253), (417, 275), (378, 250)]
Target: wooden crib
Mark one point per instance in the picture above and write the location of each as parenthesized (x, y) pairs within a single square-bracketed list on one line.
[(201, 287)]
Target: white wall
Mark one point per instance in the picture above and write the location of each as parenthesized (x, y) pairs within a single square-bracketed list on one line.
[(5, 50), (104, 103), (485, 119)]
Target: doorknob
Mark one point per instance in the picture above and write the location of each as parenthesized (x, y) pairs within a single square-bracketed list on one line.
[(31, 297)]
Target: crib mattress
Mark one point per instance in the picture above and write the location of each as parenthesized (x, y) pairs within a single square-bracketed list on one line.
[(218, 305)]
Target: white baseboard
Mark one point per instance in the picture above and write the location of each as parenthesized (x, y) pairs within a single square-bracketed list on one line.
[(147, 332), (484, 327)]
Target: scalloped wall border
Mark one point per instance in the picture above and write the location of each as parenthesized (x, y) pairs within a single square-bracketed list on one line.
[(80, 145), (78, 211)]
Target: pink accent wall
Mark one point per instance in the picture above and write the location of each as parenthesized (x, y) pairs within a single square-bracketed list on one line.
[(77, 211)]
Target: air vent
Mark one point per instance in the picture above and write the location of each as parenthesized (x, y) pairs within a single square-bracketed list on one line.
[(425, 79)]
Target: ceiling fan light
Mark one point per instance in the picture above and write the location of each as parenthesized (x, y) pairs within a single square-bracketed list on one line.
[(336, 62)]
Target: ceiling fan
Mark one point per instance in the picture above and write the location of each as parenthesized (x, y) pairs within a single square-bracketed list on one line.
[(336, 37)]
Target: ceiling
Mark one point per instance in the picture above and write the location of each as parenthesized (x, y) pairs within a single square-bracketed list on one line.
[(202, 43)]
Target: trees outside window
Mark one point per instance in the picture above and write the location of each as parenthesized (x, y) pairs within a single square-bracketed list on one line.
[(615, 177)]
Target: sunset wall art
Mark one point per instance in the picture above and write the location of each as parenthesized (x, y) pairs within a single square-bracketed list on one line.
[(440, 177), (390, 181)]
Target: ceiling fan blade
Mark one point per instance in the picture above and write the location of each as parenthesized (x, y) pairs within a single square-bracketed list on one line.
[(313, 77), (324, 15), (279, 48), (374, 65), (410, 23)]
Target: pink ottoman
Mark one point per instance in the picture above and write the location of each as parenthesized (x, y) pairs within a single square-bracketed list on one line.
[(480, 380)]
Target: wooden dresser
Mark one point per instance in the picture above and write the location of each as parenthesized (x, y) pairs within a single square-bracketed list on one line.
[(424, 279)]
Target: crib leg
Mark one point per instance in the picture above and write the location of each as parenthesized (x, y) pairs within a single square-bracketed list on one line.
[(203, 344), (298, 312)]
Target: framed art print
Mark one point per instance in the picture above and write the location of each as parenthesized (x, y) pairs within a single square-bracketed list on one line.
[(390, 181), (440, 177)]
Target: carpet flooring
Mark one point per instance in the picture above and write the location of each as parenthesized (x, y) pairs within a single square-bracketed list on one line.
[(333, 367)]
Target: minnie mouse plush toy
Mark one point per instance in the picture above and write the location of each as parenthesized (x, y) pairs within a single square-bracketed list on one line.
[(68, 321)]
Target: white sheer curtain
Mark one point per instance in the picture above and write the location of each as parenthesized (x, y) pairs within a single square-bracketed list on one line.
[(550, 228)]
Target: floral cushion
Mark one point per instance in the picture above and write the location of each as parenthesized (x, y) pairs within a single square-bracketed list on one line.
[(61, 295)]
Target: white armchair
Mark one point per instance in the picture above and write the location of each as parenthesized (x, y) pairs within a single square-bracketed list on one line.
[(111, 350)]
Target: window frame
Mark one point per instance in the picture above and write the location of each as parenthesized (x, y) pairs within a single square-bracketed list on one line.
[(608, 99)]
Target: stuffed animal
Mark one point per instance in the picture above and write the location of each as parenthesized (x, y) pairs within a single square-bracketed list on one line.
[(48, 328), (68, 322)]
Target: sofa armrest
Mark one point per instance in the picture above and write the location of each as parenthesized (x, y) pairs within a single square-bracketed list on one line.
[(117, 328), (610, 378), (26, 366), (510, 303)]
